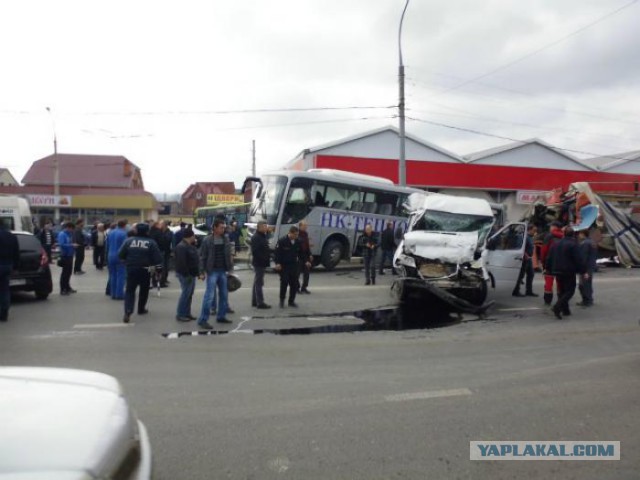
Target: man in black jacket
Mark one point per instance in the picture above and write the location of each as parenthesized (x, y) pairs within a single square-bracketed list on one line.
[(139, 253), (388, 246), (79, 240), (589, 254), (369, 244), (164, 238), (260, 260), (288, 257), (187, 271), (565, 262)]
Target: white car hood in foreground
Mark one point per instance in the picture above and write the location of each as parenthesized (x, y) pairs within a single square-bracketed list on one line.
[(446, 247), (57, 423)]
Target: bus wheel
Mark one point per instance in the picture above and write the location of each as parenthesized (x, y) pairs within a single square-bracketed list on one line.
[(331, 254)]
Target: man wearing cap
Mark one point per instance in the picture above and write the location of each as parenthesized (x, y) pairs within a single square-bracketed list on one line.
[(187, 270), (139, 252), (260, 260)]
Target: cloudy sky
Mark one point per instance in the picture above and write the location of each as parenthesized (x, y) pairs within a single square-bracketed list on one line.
[(182, 88)]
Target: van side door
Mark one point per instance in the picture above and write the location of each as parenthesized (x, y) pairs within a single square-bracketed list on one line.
[(504, 254)]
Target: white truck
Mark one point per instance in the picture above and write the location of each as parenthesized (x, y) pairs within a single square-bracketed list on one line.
[(15, 213), (452, 251)]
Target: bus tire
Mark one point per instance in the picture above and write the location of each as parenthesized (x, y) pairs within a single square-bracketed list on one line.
[(331, 254)]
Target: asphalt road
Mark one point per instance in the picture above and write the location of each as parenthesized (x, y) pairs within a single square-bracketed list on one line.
[(369, 405)]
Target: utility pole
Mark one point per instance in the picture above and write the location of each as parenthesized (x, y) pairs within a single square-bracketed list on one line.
[(253, 158), (56, 170), (402, 162)]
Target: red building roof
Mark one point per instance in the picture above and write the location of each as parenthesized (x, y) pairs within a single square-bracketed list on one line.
[(98, 171)]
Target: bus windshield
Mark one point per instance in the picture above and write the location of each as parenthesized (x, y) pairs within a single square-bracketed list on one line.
[(265, 207)]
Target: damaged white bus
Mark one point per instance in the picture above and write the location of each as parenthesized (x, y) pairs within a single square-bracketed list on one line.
[(449, 252)]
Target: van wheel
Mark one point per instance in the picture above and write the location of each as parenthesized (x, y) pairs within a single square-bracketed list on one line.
[(41, 294), (331, 254)]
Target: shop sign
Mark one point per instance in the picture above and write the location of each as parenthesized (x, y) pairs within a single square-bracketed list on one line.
[(527, 197), (216, 198), (49, 200)]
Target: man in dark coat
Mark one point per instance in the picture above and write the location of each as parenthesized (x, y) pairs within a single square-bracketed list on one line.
[(164, 238), (288, 257), (139, 253), (565, 263), (80, 244), (187, 271), (526, 270), (9, 260), (306, 258), (589, 254), (260, 260), (369, 244), (388, 247)]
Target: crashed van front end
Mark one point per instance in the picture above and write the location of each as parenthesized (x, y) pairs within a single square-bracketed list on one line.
[(442, 253)]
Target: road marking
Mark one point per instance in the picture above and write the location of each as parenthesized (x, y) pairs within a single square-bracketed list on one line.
[(103, 325), (520, 309), (403, 397)]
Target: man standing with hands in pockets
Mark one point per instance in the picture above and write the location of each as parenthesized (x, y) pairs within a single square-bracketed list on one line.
[(260, 260), (288, 257)]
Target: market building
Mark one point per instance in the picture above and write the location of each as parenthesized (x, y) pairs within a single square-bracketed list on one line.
[(93, 187), (514, 174)]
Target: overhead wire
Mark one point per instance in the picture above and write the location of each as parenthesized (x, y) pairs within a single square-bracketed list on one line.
[(538, 50)]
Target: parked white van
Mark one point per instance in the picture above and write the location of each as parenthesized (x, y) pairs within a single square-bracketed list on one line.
[(15, 213)]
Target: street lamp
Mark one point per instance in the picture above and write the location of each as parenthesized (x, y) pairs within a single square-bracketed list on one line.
[(56, 169), (402, 163)]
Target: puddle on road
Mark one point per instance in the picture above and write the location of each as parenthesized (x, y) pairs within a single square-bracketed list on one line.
[(393, 318)]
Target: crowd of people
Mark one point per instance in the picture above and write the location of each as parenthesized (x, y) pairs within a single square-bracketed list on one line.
[(137, 258), (567, 259)]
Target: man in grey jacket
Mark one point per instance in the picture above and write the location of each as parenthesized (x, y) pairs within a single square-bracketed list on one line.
[(215, 262)]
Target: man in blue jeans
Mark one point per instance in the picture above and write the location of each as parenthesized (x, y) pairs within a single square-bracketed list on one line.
[(187, 271), (215, 262)]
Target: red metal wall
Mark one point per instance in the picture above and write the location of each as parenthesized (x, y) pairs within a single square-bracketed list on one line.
[(469, 175)]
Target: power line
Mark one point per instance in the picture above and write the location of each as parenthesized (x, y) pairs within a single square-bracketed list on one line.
[(207, 112), (541, 49), (418, 83)]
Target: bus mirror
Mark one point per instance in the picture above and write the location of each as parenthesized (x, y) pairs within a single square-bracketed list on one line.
[(251, 179)]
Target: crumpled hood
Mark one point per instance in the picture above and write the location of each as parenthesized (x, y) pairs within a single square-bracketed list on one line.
[(447, 247)]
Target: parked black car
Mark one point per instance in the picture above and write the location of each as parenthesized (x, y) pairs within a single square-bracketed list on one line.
[(33, 273)]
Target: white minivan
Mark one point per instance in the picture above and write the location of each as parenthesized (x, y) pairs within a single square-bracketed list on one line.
[(449, 252), (15, 213)]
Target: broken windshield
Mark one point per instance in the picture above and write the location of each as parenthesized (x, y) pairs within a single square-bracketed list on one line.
[(436, 221)]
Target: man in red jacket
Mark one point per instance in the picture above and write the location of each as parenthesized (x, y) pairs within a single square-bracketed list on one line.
[(555, 235)]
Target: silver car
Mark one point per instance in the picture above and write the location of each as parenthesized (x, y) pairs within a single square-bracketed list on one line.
[(62, 424)]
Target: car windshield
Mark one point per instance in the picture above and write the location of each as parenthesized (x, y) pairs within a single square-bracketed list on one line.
[(265, 207), (436, 221)]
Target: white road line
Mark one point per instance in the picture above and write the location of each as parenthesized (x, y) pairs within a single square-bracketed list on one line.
[(518, 309), (103, 325), (403, 397)]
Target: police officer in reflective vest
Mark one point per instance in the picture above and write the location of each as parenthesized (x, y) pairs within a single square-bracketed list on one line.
[(139, 253)]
